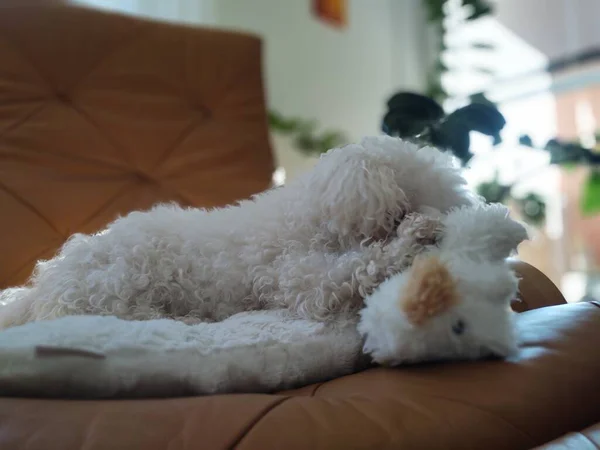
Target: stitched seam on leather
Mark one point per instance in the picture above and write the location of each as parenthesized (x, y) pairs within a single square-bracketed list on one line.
[(123, 162), (317, 387), (183, 200), (126, 41), (28, 60), (489, 413), (220, 160), (16, 124), (74, 158), (115, 145), (102, 208), (52, 90), (187, 131), (31, 208), (256, 421), (6, 281), (176, 195), (242, 75)]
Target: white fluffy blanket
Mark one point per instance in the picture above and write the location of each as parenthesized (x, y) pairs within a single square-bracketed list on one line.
[(92, 356)]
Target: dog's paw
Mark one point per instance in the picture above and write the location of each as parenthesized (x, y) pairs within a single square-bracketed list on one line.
[(189, 320), (424, 229)]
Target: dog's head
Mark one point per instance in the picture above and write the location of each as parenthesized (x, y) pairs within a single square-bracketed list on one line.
[(441, 310)]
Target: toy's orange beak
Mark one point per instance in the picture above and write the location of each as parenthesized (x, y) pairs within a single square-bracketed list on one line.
[(430, 291)]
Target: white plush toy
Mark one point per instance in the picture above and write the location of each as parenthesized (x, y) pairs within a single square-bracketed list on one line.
[(454, 302)]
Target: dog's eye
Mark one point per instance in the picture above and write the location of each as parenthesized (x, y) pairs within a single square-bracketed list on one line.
[(459, 327)]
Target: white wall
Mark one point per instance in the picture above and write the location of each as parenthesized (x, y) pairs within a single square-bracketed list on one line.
[(340, 77), (414, 45), (187, 11)]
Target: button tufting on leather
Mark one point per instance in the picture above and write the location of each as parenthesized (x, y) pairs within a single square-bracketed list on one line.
[(63, 97), (145, 178), (204, 111), (73, 166)]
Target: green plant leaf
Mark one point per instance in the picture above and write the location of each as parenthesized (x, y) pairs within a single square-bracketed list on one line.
[(440, 66), (526, 140), (306, 142), (484, 70), (453, 137), (479, 117), (479, 8), (304, 135), (275, 119), (568, 166), (305, 126), (282, 124), (483, 45), (435, 10), (481, 98), (564, 153), (403, 125), (533, 208), (493, 192), (435, 89), (410, 114), (329, 140), (592, 157), (590, 200), (417, 105)]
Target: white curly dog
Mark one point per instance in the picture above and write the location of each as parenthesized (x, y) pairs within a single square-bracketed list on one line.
[(317, 246)]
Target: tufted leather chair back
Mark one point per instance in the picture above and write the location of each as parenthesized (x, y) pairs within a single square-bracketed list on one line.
[(102, 114)]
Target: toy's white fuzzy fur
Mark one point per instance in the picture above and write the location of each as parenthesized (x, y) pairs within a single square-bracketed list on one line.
[(472, 254), (317, 246)]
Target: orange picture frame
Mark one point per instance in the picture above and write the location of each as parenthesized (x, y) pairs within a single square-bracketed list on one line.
[(334, 12)]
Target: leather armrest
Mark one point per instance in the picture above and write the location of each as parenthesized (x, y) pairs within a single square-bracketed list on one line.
[(535, 289)]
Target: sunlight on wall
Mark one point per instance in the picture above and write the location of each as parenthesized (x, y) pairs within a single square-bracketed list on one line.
[(279, 177), (573, 286), (184, 11)]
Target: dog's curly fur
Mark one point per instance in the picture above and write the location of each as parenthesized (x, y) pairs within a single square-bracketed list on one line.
[(317, 246)]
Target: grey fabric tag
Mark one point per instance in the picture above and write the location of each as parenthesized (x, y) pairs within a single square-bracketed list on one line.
[(47, 351)]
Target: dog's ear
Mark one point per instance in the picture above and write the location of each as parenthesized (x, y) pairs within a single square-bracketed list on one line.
[(482, 232)]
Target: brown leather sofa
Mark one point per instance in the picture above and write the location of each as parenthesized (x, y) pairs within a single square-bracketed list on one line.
[(101, 114)]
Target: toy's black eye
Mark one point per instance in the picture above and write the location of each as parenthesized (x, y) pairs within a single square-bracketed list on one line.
[(459, 327)]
